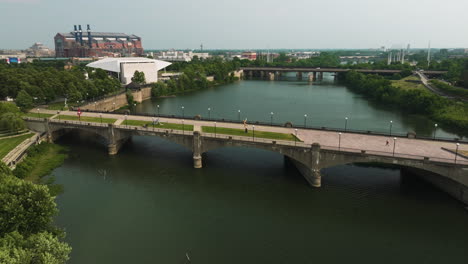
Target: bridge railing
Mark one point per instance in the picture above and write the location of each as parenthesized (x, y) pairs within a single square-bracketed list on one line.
[(460, 159)]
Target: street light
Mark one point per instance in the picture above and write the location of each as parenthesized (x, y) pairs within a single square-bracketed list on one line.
[(100, 115), (346, 124), (209, 112), (95, 106), (38, 115), (271, 118), (126, 120), (158, 109), (305, 121), (456, 152), (154, 121), (295, 138), (183, 112), (215, 128), (394, 144), (58, 113), (391, 124), (238, 115), (435, 129), (253, 133), (183, 127), (339, 141)]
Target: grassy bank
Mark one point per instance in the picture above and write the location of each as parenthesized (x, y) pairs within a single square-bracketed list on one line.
[(162, 125), (41, 160), (241, 132), (408, 83), (86, 119), (8, 144), (451, 114), (450, 90)]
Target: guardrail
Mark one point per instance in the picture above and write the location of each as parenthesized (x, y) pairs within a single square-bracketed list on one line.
[(273, 124)]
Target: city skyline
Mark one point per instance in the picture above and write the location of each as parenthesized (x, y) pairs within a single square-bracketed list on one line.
[(334, 24)]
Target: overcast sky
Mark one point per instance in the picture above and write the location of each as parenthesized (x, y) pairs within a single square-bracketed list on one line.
[(243, 24)]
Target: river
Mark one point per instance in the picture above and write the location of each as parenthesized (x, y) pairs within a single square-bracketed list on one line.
[(148, 205)]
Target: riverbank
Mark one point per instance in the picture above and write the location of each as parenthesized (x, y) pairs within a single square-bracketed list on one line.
[(417, 101)]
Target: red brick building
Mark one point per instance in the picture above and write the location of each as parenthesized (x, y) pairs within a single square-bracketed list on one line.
[(97, 44)]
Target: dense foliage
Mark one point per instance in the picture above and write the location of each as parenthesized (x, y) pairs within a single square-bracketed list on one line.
[(139, 77), (34, 83), (457, 70), (194, 76), (450, 90), (27, 233), (10, 118), (413, 101)]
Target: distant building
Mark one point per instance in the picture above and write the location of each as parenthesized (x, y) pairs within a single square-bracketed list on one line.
[(124, 68), (249, 55), (97, 44), (301, 55), (39, 50), (175, 55)]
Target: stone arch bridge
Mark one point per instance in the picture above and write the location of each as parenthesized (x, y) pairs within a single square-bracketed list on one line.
[(309, 159)]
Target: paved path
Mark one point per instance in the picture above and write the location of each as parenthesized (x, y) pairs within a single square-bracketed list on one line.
[(416, 147)]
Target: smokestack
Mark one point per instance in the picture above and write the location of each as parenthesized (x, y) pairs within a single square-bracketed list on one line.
[(81, 34), (90, 39), (76, 34)]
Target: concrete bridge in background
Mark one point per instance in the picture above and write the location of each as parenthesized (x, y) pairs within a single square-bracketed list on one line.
[(316, 73), (314, 152)]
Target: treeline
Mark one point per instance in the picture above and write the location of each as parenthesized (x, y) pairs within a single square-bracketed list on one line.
[(416, 101), (27, 232), (194, 76), (450, 90), (39, 82), (326, 59)]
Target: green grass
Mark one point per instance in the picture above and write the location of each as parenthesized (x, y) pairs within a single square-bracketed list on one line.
[(450, 90), (258, 134), (57, 106), (8, 144), (162, 125), (408, 83), (41, 160), (38, 115), (87, 119)]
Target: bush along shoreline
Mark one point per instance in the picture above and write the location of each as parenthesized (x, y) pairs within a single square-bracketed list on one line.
[(416, 101)]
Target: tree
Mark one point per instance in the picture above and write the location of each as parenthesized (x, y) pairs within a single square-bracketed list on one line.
[(11, 122), (24, 100), (139, 77)]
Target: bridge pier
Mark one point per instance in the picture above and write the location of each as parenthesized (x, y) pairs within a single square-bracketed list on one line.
[(310, 77), (299, 76), (320, 76), (262, 74), (197, 149), (271, 76)]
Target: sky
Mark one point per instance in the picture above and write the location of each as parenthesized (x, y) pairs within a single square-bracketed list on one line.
[(244, 24)]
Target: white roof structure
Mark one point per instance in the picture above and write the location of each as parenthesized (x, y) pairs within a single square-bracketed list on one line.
[(113, 64)]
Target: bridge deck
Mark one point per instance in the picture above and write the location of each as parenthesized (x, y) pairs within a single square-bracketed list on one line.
[(327, 139), (293, 69)]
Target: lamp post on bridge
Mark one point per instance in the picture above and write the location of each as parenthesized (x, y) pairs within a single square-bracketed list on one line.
[(456, 152), (154, 121), (158, 109), (391, 124), (38, 115), (100, 115), (215, 128), (253, 132), (394, 145), (271, 118), (295, 138), (339, 141), (126, 124), (305, 121), (183, 112), (346, 124), (435, 130), (209, 112), (238, 115), (58, 113)]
